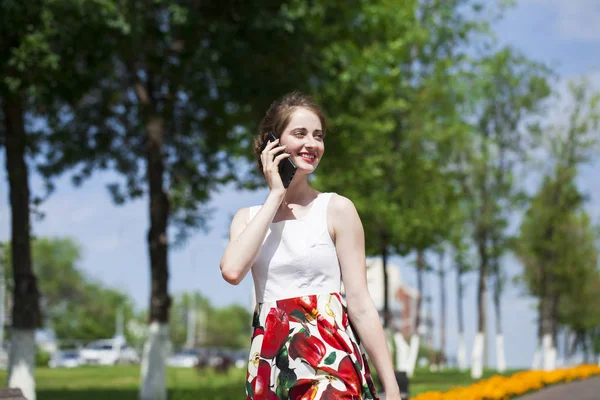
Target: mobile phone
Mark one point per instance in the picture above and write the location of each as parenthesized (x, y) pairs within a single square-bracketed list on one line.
[(287, 168)]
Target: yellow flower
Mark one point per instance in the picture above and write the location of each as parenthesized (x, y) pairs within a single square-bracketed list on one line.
[(503, 388)]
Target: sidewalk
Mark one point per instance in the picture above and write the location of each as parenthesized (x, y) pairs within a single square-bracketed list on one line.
[(588, 389)]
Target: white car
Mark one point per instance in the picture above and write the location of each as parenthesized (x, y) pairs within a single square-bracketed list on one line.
[(183, 359), (109, 352), (65, 359)]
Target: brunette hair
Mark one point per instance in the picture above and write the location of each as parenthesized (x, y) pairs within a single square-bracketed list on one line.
[(278, 117)]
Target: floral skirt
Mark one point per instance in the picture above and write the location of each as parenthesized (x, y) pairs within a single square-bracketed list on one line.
[(303, 348)]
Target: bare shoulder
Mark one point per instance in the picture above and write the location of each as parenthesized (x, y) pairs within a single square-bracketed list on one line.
[(344, 215), (239, 222), (242, 214), (341, 206)]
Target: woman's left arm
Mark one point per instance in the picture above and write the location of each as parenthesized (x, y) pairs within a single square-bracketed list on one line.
[(350, 248)]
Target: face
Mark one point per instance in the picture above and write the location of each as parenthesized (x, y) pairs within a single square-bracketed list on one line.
[(304, 139)]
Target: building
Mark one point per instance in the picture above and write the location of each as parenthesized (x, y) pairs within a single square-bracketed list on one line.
[(408, 297), (402, 299)]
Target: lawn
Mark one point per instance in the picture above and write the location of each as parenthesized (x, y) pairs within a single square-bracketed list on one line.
[(122, 382)]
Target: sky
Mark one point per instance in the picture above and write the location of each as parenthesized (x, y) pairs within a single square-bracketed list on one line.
[(565, 34)]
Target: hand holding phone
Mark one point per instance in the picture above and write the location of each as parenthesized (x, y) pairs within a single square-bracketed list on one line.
[(287, 168)]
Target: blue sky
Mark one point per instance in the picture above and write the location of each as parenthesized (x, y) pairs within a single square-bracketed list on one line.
[(563, 33)]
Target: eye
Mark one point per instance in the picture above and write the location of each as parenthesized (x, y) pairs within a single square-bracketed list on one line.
[(298, 133)]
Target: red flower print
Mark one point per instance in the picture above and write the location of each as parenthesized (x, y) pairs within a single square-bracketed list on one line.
[(300, 309), (260, 383), (332, 393), (358, 354), (347, 373), (277, 326), (331, 335), (310, 349), (304, 389)]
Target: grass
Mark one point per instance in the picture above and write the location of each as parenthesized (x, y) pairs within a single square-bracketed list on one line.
[(122, 383)]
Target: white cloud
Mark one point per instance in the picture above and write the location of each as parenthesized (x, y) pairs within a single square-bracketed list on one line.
[(575, 19)]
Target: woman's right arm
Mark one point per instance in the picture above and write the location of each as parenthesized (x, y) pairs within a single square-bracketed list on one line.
[(246, 239)]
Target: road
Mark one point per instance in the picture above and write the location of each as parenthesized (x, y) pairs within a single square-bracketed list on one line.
[(588, 389)]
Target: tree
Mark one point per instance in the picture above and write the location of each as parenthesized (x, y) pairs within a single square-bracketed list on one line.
[(462, 265), (508, 89), (393, 102), (29, 68), (171, 108), (578, 308), (544, 246)]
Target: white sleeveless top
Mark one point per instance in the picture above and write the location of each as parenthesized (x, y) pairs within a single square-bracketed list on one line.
[(297, 257)]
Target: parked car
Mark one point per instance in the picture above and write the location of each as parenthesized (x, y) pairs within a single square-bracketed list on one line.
[(109, 352), (65, 359), (184, 359)]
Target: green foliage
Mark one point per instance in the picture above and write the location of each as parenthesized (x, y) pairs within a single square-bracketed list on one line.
[(41, 358), (394, 104), (558, 243), (230, 327), (223, 327), (74, 306), (185, 70)]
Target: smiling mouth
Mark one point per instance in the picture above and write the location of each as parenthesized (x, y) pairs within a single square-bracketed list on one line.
[(310, 158)]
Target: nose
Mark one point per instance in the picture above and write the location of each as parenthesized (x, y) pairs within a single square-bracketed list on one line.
[(310, 142)]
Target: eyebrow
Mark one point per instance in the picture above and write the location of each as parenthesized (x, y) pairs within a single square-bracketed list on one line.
[(306, 130)]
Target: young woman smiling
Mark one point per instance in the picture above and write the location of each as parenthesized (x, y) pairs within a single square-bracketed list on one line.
[(301, 245)]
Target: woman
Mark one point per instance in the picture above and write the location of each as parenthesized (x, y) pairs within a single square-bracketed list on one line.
[(300, 244)]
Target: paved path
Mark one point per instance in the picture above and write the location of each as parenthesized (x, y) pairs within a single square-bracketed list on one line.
[(588, 389)]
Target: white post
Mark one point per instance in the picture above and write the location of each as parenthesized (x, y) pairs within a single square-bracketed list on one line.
[(403, 353), (154, 363), (413, 354), (549, 353), (477, 357), (22, 361), (500, 360)]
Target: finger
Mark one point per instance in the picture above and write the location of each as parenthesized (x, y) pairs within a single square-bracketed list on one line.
[(280, 157), (270, 145), (278, 149)]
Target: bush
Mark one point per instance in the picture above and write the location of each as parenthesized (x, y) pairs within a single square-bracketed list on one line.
[(41, 357)]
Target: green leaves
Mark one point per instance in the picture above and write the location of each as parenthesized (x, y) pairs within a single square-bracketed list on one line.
[(330, 359)]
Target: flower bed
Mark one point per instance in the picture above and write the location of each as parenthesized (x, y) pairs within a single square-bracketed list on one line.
[(503, 388)]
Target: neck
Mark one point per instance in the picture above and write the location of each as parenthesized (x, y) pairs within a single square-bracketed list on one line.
[(299, 192)]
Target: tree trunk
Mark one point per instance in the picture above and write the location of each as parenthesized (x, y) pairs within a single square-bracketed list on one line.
[(462, 349), (155, 352), (442, 311), (481, 295), (386, 305), (500, 358), (26, 317), (420, 269), (479, 355)]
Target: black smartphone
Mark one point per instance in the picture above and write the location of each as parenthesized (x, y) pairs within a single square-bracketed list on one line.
[(287, 168)]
